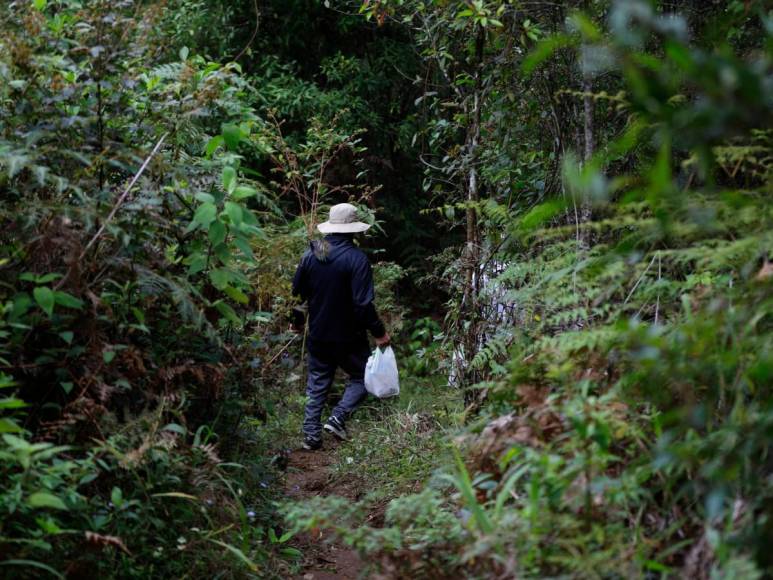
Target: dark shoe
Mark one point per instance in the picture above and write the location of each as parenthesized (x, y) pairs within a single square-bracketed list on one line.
[(336, 427), (312, 443)]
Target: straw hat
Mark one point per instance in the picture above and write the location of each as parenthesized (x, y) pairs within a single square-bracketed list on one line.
[(343, 220)]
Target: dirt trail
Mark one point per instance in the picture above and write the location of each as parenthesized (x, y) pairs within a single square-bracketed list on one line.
[(309, 475)]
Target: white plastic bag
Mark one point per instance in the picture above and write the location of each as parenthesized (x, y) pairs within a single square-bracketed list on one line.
[(381, 377)]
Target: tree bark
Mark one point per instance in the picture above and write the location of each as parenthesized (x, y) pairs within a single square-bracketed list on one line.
[(472, 257), (583, 236)]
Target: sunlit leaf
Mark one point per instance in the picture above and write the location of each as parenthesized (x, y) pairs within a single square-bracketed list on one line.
[(243, 192), (205, 214), (232, 136), (43, 499), (229, 178), (236, 295), (213, 144)]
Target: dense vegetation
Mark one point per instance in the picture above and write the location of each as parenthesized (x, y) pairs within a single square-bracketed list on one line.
[(573, 250)]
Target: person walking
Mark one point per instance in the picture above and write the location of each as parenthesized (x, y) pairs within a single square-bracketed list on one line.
[(336, 280)]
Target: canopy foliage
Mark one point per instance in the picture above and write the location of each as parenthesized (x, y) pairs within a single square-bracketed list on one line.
[(573, 230)]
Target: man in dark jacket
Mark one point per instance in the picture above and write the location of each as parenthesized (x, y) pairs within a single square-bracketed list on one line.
[(336, 280)]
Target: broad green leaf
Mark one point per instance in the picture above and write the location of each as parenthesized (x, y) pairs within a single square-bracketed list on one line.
[(223, 253), (239, 277), (243, 192), (43, 499), (12, 403), (234, 212), (220, 278), (291, 552), (244, 246), (232, 135), (228, 312), (44, 279), (88, 478), (539, 214), (205, 197), (252, 230), (236, 295), (9, 426), (213, 144), (116, 496), (67, 300), (191, 227), (108, 356), (44, 296), (66, 386), (229, 179), (198, 262), (205, 214), (67, 336), (17, 442), (249, 217), (40, 4), (6, 381), (217, 232), (48, 525)]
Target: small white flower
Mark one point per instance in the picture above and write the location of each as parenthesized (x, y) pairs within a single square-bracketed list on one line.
[(350, 460)]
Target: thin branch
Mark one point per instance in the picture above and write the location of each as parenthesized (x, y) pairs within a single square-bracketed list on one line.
[(254, 32), (635, 286), (123, 197)]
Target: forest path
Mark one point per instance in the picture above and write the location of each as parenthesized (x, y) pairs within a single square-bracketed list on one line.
[(309, 474), (394, 446)]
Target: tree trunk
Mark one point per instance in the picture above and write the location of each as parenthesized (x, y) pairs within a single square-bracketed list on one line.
[(472, 253), (583, 236), (587, 104)]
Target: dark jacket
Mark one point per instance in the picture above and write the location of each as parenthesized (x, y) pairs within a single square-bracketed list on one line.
[(336, 279)]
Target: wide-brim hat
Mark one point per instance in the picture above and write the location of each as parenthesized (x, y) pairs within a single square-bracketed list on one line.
[(343, 220)]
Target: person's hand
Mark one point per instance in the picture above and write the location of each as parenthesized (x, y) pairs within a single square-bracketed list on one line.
[(384, 341)]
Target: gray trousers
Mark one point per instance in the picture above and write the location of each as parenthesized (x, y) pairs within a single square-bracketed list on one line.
[(324, 359)]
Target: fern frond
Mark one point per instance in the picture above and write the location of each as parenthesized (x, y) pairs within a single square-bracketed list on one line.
[(182, 294)]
